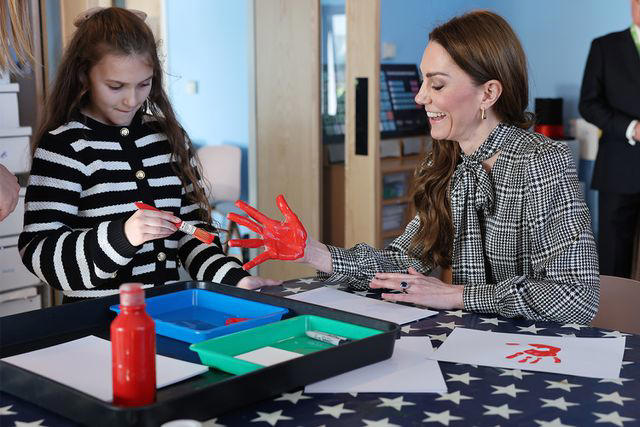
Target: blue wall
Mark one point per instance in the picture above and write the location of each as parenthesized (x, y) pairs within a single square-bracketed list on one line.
[(209, 43), (556, 35)]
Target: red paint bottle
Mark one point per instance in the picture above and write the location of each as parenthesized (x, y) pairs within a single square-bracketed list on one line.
[(133, 350)]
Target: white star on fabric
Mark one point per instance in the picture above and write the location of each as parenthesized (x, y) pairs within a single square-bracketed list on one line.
[(31, 424), (307, 281), (558, 403), (492, 320), (6, 410), (457, 313), (295, 290), (353, 393), (563, 385), (613, 418), (396, 403), (517, 373), (271, 418), (213, 422), (293, 397), (379, 423), (566, 335), (504, 411), (553, 423), (618, 381), (335, 411), (440, 337), (466, 364), (511, 390), (450, 325), (443, 418), (533, 329), (613, 334), (577, 326), (410, 327), (613, 397), (627, 362), (456, 397), (463, 378)]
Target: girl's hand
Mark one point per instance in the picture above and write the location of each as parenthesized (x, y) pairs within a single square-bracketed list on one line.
[(146, 225), (422, 290), (256, 282)]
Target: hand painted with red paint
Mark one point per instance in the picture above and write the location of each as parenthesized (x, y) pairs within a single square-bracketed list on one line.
[(284, 240), (548, 351)]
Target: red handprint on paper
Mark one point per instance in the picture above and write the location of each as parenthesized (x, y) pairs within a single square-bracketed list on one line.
[(284, 240), (539, 351)]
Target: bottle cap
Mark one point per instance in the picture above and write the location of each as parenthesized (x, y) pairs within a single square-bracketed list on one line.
[(131, 294)]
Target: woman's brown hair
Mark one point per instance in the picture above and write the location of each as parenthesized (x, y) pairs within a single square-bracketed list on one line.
[(485, 47), (118, 31)]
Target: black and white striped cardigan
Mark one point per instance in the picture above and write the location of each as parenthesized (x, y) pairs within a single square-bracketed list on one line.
[(85, 178)]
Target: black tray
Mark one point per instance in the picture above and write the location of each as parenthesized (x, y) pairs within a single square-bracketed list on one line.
[(202, 397)]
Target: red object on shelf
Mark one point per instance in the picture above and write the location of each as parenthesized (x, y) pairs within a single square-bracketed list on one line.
[(231, 320), (552, 131), (133, 350)]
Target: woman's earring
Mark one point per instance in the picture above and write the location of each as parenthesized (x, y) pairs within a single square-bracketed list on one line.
[(484, 116)]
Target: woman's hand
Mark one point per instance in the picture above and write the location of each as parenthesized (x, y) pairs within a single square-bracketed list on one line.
[(145, 225), (285, 240), (422, 290), (256, 282)]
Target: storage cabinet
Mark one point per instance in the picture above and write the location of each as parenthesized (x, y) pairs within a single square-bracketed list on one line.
[(396, 185), (18, 287), (396, 176)]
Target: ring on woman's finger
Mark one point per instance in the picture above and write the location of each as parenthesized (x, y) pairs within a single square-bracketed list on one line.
[(404, 287)]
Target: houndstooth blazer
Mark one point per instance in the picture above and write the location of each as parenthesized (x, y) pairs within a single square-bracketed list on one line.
[(540, 259)]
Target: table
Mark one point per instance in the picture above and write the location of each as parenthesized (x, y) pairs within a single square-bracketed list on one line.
[(477, 395)]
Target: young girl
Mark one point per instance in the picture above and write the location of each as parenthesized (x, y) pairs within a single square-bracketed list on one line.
[(110, 138)]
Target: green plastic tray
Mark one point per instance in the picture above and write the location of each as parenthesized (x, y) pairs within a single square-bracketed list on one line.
[(286, 334)]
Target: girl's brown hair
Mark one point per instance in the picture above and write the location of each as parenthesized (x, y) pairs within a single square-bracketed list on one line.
[(118, 31), (485, 47), (15, 36)]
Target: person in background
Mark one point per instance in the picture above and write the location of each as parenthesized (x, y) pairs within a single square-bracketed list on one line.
[(497, 204), (610, 99), (15, 48), (110, 138), (9, 189)]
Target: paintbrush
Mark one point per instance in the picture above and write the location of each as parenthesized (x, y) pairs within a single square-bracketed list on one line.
[(203, 235)]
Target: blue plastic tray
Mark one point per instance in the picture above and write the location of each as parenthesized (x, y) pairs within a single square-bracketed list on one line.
[(196, 315)]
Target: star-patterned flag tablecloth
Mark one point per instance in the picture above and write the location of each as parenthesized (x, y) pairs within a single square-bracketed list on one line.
[(477, 395)]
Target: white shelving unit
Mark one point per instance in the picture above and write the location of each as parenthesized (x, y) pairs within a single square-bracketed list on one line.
[(18, 287)]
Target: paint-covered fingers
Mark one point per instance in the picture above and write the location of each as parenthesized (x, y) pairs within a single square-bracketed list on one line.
[(254, 213), (264, 256), (246, 222), (246, 243)]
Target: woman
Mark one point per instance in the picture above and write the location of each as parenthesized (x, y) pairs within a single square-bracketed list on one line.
[(499, 205)]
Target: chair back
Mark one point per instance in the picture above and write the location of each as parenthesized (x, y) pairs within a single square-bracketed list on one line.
[(221, 168), (619, 300)]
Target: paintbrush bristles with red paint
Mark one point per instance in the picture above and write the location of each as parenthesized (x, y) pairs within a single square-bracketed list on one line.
[(203, 235)]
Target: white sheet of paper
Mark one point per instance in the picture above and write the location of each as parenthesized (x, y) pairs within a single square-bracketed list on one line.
[(585, 357), (409, 370), (85, 364), (267, 356), (340, 300)]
